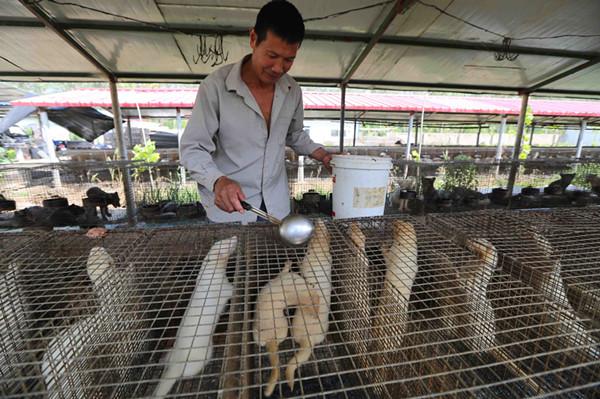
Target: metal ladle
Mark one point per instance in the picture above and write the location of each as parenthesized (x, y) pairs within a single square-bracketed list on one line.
[(293, 229)]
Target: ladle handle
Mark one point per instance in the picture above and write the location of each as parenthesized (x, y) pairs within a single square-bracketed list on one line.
[(260, 213)]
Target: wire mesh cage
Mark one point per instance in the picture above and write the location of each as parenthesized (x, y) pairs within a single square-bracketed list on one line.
[(559, 262), (378, 307), (55, 195)]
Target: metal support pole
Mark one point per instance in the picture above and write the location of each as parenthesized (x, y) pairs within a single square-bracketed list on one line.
[(50, 151), (422, 135), (478, 136), (122, 151), (129, 134), (517, 148), (48, 143), (500, 135), (417, 134), (580, 138), (301, 169), (342, 116), (411, 120), (354, 137), (182, 173)]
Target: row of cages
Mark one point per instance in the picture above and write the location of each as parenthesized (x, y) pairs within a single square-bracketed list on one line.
[(86, 194), (483, 304)]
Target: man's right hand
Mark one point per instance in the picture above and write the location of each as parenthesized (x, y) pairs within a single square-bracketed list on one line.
[(228, 195)]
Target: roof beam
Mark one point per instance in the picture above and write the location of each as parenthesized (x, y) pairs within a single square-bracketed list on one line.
[(350, 37), (21, 22), (563, 75), (483, 46), (46, 74), (50, 24), (396, 9), (141, 76)]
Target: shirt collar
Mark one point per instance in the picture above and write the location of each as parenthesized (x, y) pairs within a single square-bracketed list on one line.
[(234, 81)]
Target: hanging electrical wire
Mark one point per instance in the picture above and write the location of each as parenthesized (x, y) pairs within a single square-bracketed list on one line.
[(214, 53), (339, 13), (505, 54), (205, 51)]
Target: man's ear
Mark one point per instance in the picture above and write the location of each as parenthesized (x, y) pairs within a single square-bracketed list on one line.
[(253, 38)]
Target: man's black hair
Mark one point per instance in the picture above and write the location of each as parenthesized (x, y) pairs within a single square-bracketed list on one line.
[(281, 18)]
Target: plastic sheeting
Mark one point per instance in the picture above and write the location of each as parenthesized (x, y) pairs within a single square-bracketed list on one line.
[(87, 123)]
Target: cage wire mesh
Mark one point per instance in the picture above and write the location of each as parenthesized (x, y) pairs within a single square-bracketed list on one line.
[(558, 261), (163, 191), (556, 252), (450, 306)]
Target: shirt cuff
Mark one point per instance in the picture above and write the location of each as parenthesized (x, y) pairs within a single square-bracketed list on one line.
[(208, 179), (307, 149)]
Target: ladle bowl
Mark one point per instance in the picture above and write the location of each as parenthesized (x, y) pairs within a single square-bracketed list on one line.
[(294, 230)]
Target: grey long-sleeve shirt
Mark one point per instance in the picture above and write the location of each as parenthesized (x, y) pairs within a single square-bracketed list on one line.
[(227, 136)]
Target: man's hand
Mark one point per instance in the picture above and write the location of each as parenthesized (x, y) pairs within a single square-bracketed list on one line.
[(228, 195), (320, 154)]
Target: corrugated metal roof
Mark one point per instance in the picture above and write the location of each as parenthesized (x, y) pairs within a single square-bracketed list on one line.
[(184, 98)]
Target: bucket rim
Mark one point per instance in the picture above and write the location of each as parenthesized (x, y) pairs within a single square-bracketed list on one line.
[(361, 161)]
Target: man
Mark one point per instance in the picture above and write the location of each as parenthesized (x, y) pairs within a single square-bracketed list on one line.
[(245, 114)]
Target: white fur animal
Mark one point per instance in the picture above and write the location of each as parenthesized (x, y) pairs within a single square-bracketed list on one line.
[(401, 259), (554, 287), (64, 363), (12, 321), (476, 283), (270, 323), (193, 347), (309, 327)]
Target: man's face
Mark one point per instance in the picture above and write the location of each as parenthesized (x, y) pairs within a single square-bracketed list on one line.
[(272, 57)]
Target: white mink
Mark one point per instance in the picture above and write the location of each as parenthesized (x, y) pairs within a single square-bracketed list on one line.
[(193, 347), (554, 287), (12, 322), (309, 327), (63, 364), (401, 259), (476, 285), (270, 323)]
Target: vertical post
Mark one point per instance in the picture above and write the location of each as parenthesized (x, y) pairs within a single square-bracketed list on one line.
[(531, 134), (342, 116), (411, 120), (354, 138), (49, 145), (122, 151), (301, 169), (500, 135), (582, 128), (129, 134), (422, 135), (182, 175), (417, 133), (478, 136), (517, 148)]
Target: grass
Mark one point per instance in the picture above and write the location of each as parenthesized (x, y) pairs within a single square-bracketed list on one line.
[(172, 192)]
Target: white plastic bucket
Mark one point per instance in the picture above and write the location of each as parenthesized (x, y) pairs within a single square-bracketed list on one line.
[(359, 185)]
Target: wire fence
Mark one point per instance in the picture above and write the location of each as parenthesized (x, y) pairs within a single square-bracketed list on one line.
[(164, 192)]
